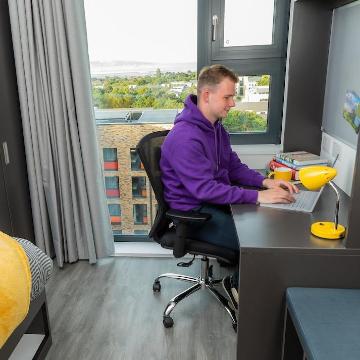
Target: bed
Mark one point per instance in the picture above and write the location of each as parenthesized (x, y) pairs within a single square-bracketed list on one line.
[(36, 320)]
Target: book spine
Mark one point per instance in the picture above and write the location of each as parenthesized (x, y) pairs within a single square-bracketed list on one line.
[(291, 158), (310, 162), (286, 157), (287, 163)]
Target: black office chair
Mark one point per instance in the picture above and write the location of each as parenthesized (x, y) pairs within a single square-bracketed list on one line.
[(171, 231)]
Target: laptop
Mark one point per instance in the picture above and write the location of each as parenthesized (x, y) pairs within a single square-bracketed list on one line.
[(305, 201)]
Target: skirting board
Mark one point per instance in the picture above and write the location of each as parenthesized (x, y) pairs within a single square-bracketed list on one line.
[(142, 249)]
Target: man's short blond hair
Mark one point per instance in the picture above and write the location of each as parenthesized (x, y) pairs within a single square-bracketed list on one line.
[(210, 76)]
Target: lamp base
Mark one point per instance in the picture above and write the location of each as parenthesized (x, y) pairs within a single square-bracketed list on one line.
[(326, 230)]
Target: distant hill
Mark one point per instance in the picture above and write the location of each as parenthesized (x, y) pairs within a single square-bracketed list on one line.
[(135, 68)]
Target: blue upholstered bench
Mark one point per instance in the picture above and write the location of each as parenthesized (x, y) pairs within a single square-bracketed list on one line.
[(322, 324)]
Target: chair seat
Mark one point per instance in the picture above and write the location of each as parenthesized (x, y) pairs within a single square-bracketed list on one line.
[(196, 247), (327, 321)]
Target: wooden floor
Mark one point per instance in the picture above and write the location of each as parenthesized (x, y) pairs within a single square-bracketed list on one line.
[(108, 311)]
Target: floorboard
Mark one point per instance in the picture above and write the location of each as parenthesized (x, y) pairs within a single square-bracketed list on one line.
[(108, 311)]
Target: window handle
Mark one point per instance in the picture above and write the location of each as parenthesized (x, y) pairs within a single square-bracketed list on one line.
[(214, 25), (6, 153)]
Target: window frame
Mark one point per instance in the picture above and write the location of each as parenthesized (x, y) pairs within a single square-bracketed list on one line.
[(275, 50), (272, 135), (249, 60)]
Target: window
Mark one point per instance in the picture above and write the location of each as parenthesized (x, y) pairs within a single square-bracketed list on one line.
[(136, 163), (139, 186), (140, 214), (110, 159), (143, 64), (250, 37), (112, 186), (115, 213), (250, 113), (248, 23), (139, 86)]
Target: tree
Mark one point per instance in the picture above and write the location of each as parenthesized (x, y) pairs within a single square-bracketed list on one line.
[(264, 80), (158, 73), (115, 92), (244, 121)]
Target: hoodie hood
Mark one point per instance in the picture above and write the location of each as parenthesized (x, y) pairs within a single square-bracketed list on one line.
[(193, 115)]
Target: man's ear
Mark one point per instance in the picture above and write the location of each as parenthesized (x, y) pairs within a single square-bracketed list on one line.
[(205, 95)]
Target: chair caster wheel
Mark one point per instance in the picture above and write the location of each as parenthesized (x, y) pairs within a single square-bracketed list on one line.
[(234, 327), (168, 321), (156, 286)]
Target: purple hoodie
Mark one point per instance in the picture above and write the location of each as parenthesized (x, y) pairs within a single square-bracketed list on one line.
[(198, 165)]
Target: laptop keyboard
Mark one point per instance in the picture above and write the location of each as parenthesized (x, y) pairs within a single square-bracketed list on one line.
[(304, 201)]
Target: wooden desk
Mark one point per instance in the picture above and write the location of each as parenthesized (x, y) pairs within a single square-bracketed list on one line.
[(277, 251)]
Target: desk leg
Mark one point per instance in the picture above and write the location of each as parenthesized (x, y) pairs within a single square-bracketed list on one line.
[(291, 349), (265, 274)]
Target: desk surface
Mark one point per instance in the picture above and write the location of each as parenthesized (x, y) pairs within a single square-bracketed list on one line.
[(277, 251), (262, 227)]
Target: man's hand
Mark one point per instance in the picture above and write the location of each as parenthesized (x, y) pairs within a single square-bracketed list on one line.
[(273, 184), (275, 195), (279, 191)]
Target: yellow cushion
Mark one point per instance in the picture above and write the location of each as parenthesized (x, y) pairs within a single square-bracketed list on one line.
[(15, 286)]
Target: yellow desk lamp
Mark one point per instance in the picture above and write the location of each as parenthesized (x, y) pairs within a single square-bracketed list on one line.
[(313, 178)]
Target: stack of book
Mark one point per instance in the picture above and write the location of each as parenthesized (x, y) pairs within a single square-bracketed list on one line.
[(295, 161)]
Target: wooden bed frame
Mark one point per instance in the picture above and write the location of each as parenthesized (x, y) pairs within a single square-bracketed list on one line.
[(36, 322)]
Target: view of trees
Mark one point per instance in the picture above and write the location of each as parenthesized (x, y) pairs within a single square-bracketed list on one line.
[(244, 121), (264, 80), (165, 91), (158, 91)]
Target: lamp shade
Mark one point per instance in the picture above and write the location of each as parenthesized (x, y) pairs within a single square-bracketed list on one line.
[(314, 177)]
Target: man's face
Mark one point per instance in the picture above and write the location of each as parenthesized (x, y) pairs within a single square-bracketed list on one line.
[(221, 98)]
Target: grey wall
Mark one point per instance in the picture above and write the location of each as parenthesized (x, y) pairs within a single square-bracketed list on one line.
[(343, 71), (306, 72)]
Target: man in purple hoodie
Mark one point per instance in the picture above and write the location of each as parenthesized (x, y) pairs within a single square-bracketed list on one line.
[(200, 171)]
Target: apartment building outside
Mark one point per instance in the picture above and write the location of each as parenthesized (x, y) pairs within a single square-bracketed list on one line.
[(130, 199)]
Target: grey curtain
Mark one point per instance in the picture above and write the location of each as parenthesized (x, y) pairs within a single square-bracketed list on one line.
[(65, 178)]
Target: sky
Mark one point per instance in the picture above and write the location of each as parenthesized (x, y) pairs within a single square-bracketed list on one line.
[(248, 22), (142, 30), (165, 31)]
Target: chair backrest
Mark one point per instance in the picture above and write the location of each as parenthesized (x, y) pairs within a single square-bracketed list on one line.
[(149, 150)]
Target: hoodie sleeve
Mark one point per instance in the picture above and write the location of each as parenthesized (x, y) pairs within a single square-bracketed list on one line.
[(241, 174), (195, 173)]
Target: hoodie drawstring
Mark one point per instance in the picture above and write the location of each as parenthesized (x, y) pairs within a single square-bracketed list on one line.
[(220, 144), (217, 153)]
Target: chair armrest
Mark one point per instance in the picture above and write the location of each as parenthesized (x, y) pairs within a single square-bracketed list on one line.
[(182, 219), (187, 216)]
